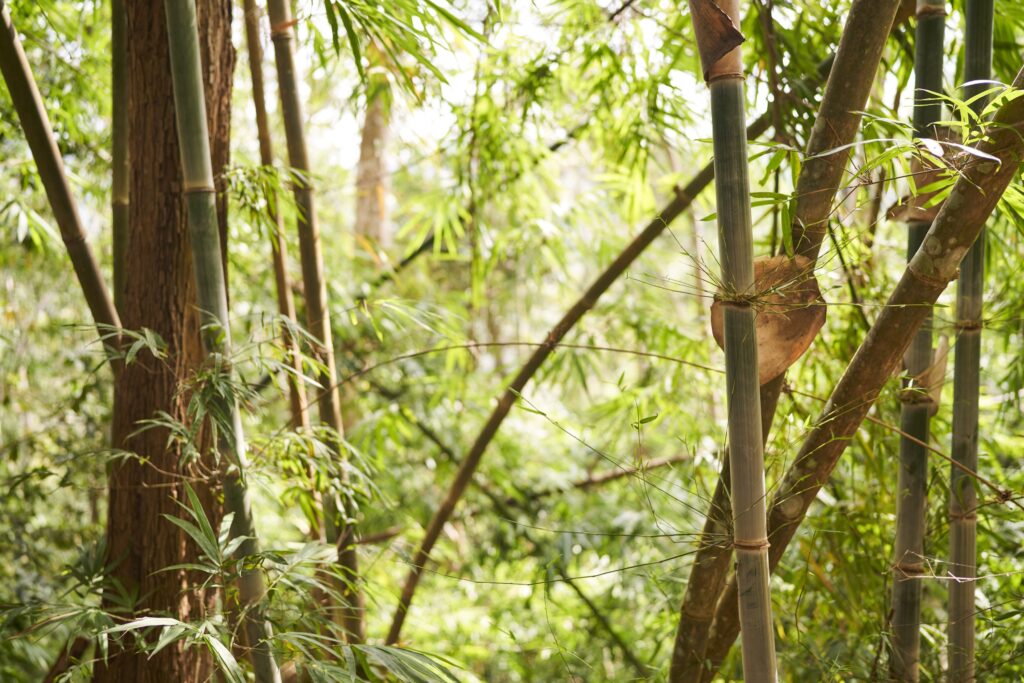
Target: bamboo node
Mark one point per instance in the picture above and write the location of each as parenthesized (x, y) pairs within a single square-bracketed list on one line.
[(927, 9), (199, 189), (967, 325), (930, 280), (734, 75), (968, 516), (682, 195), (751, 545), (283, 29), (909, 569), (916, 395)]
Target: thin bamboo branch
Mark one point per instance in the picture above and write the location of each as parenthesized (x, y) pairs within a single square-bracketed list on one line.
[(954, 230), (963, 496), (340, 524), (204, 236), (28, 104), (682, 200)]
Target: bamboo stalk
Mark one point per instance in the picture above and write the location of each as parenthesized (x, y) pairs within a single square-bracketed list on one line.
[(916, 404), (856, 62), (711, 563), (197, 172), (285, 301), (682, 200), (954, 230), (743, 397), (28, 104), (339, 523), (119, 135), (963, 498)]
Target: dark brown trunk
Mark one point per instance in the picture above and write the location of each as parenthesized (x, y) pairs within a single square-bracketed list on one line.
[(160, 295)]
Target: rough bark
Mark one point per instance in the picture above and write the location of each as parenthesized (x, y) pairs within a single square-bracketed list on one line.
[(954, 230), (160, 295)]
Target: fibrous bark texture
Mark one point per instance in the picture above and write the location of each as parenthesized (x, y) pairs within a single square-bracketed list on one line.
[(160, 295)]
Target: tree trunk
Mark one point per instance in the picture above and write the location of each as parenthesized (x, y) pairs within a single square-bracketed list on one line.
[(121, 165), (159, 293), (372, 178)]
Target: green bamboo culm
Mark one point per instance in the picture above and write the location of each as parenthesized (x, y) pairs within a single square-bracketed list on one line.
[(197, 171), (119, 134), (285, 302), (917, 405), (28, 104), (963, 500), (339, 523), (723, 65)]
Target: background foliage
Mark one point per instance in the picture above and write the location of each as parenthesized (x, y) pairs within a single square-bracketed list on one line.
[(530, 140)]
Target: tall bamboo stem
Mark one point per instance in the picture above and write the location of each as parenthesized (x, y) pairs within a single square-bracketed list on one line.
[(711, 563), (285, 301), (963, 498), (912, 486), (28, 104), (197, 171), (746, 451), (339, 523)]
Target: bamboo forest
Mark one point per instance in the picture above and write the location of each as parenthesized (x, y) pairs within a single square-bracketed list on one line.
[(511, 341)]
